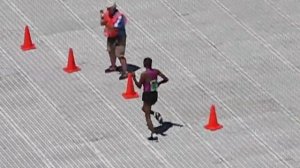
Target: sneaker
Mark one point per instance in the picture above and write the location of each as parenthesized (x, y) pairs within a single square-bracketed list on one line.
[(110, 69), (158, 117), (151, 138), (123, 76)]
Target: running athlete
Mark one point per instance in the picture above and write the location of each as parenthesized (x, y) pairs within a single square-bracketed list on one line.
[(148, 80)]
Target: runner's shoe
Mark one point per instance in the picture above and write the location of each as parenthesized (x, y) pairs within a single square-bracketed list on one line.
[(158, 117)]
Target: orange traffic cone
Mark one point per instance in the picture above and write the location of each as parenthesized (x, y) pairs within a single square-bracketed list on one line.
[(213, 121), (71, 67), (130, 93), (27, 45)]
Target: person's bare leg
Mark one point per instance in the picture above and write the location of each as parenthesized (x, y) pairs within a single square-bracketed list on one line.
[(123, 63), (112, 57), (120, 53), (147, 110)]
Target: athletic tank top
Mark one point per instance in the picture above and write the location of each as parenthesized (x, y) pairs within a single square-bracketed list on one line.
[(150, 85)]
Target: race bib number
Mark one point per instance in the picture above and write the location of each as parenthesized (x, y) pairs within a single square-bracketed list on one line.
[(153, 85)]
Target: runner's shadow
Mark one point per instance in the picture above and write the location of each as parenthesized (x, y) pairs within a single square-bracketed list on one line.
[(165, 127), (130, 68)]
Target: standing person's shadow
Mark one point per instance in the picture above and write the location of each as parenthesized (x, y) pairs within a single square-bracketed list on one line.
[(163, 128), (130, 68)]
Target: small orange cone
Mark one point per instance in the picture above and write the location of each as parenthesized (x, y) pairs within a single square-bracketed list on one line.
[(130, 93), (213, 121), (71, 67), (27, 45)]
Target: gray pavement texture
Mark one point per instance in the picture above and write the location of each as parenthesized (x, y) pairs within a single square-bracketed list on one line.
[(241, 55)]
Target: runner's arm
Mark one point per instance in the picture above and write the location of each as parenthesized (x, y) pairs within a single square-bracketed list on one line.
[(165, 79), (140, 82)]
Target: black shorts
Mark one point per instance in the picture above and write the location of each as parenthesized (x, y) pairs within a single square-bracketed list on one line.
[(118, 44), (150, 97), (116, 41)]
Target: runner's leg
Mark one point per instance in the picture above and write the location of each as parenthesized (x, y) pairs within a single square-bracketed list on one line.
[(147, 110)]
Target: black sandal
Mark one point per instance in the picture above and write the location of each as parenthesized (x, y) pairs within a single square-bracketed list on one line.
[(110, 69), (123, 76)]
